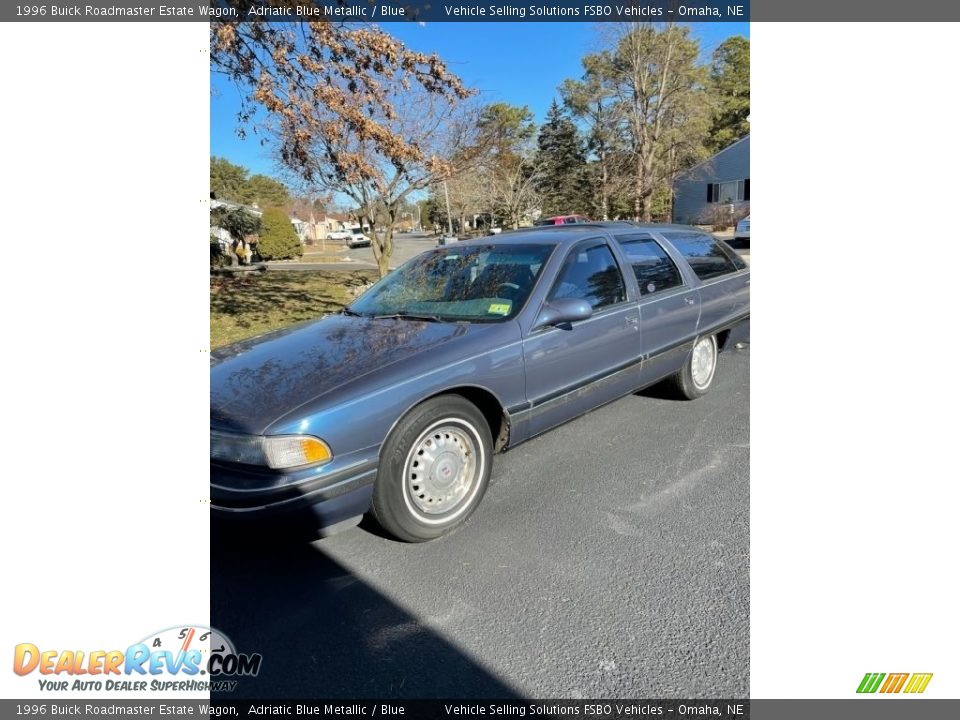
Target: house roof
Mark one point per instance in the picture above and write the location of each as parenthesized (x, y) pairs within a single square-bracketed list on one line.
[(253, 209), (716, 154)]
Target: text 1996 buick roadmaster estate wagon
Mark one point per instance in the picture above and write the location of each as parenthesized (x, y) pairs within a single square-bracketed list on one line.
[(397, 405)]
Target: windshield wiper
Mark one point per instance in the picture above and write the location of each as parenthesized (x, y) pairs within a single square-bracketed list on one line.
[(408, 316), (352, 313)]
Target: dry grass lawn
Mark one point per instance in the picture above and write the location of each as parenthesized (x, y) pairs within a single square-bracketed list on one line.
[(255, 303)]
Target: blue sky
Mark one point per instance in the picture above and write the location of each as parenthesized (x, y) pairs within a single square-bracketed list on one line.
[(517, 63)]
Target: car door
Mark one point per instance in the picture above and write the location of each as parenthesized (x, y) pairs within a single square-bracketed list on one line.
[(723, 276), (669, 305), (573, 368)]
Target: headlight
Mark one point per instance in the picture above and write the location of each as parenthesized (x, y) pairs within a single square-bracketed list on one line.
[(276, 452)]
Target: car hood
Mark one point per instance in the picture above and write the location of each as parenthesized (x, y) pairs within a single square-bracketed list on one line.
[(256, 382)]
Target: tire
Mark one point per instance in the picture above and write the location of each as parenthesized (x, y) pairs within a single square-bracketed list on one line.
[(696, 376), (434, 469)]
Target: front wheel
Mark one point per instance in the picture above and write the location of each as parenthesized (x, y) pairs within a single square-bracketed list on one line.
[(695, 378), (434, 469)]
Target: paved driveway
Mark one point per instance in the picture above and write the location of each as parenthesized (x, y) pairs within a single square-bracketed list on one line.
[(609, 558)]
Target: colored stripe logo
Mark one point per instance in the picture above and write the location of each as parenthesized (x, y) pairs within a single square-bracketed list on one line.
[(894, 682)]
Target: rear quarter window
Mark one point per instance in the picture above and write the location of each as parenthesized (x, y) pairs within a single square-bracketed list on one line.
[(707, 257), (653, 268)]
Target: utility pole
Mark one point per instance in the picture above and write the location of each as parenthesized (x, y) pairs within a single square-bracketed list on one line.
[(446, 194)]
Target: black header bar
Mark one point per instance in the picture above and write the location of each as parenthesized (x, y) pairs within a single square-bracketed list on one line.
[(378, 11), (847, 709), (477, 10)]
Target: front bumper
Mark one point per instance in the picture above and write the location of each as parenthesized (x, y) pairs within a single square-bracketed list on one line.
[(317, 497)]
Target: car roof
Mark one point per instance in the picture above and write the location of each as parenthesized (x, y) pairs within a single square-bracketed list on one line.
[(567, 234)]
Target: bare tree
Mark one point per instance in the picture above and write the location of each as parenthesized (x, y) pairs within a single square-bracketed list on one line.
[(591, 101), (505, 159), (437, 126), (513, 190), (337, 100), (654, 76), (324, 79)]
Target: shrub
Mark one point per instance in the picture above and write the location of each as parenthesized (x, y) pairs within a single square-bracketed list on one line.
[(719, 217), (236, 221), (217, 257), (278, 239)]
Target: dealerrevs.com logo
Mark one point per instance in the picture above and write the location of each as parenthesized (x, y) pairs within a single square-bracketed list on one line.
[(911, 683), (180, 659)]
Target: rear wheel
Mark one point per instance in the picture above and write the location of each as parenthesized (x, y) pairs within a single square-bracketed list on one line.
[(434, 469), (695, 378)]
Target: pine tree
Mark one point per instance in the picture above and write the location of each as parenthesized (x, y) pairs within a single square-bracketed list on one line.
[(561, 163), (730, 82)]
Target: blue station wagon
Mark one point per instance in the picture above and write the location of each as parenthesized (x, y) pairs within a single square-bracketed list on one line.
[(398, 405)]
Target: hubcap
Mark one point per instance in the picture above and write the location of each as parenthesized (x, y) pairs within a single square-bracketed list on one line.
[(703, 362), (441, 469)]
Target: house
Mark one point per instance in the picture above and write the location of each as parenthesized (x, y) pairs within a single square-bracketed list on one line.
[(302, 228), (332, 222), (718, 184), (319, 227), (214, 204), (222, 236)]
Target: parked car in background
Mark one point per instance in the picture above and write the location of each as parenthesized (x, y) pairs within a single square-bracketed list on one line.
[(742, 231), (562, 220), (351, 237), (357, 238), (338, 235), (397, 405)]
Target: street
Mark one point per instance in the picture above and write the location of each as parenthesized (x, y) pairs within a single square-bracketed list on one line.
[(609, 559), (406, 246)]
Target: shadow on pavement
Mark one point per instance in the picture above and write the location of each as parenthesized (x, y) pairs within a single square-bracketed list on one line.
[(324, 633)]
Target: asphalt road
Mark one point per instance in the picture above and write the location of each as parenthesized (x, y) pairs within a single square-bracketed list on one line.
[(609, 559), (406, 246)]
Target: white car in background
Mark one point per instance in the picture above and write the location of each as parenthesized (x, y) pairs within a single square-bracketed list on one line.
[(357, 238), (352, 237), (742, 231)]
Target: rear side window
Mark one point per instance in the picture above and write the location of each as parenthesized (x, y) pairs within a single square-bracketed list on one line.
[(654, 269), (706, 256), (734, 256), (591, 274)]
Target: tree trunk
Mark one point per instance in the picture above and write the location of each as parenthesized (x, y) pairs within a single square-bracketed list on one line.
[(639, 183), (648, 186), (383, 247), (383, 265), (604, 179), (645, 205)]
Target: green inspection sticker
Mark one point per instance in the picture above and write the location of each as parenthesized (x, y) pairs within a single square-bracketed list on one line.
[(499, 309)]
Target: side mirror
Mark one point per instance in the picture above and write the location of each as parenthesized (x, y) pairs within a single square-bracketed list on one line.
[(562, 311)]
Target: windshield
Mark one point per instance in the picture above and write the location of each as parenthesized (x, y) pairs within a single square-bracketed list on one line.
[(481, 283)]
